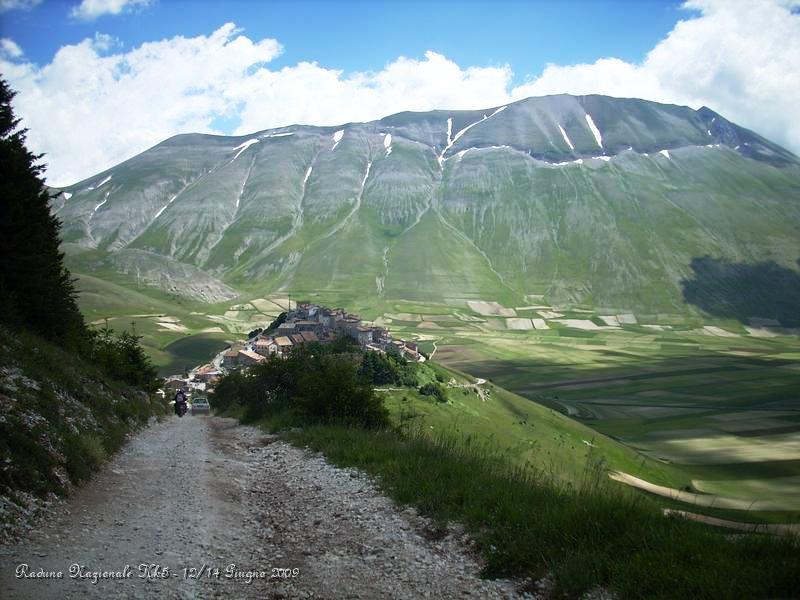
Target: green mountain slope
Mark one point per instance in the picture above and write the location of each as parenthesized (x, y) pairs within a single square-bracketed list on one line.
[(582, 200)]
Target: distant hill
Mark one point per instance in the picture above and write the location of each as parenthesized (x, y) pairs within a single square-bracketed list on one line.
[(584, 200)]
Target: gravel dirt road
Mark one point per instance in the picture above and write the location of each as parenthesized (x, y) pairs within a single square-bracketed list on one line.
[(187, 498)]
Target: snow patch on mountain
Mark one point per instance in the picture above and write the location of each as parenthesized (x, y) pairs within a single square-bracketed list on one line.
[(94, 187), (239, 196), (308, 174), (163, 208), (243, 146), (337, 137), (105, 199), (387, 143), (67, 195), (364, 181), (578, 161), (566, 139), (595, 130), (463, 131), (665, 153)]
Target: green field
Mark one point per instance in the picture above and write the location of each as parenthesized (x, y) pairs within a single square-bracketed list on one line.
[(715, 405), (709, 407), (526, 433), (175, 333)]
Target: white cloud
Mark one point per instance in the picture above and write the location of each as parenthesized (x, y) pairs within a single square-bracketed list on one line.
[(91, 9), (6, 5), (103, 42), (9, 48), (90, 108), (739, 57), (308, 93), (88, 111)]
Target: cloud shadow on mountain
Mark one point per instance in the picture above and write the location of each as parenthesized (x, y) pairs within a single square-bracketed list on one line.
[(761, 291)]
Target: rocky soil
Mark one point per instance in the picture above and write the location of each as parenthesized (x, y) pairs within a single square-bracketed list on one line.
[(201, 507)]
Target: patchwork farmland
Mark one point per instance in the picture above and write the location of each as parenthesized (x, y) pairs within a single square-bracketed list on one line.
[(706, 407)]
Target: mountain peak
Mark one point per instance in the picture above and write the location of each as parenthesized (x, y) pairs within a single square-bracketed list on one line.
[(577, 198)]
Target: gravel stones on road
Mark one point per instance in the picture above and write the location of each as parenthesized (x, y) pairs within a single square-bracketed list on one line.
[(232, 512)]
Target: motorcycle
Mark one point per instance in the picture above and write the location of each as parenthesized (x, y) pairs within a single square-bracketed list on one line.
[(181, 407)]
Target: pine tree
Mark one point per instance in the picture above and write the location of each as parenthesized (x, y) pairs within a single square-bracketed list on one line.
[(36, 289)]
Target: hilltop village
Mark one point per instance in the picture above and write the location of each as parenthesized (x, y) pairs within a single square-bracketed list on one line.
[(305, 323)]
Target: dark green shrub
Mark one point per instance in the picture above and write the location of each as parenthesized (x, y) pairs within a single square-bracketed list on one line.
[(435, 390), (313, 387), (84, 452), (121, 357)]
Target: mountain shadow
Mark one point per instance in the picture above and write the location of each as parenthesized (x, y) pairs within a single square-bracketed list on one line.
[(744, 292)]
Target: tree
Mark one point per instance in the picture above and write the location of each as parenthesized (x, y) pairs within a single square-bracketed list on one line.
[(378, 369), (231, 391), (307, 387), (121, 356), (36, 289), (280, 320)]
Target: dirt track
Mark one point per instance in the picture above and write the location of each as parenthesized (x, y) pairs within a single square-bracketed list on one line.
[(203, 493)]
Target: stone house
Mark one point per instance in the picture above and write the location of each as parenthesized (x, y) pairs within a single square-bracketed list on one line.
[(363, 335), (229, 360), (247, 358), (265, 346), (309, 336), (284, 345), (173, 384)]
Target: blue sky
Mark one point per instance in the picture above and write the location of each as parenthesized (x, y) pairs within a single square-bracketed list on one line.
[(365, 35), (99, 81)]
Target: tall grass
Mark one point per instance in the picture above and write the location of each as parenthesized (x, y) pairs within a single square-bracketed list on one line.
[(527, 525), (60, 413)]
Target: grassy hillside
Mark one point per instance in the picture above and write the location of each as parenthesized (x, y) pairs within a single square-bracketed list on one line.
[(574, 539), (643, 281), (653, 215), (708, 402), (61, 417), (720, 412), (536, 499), (175, 333), (717, 466), (528, 434)]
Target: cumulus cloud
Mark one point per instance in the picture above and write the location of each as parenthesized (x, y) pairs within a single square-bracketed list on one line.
[(88, 110), (10, 48), (88, 10), (6, 5), (94, 105), (739, 57), (308, 93)]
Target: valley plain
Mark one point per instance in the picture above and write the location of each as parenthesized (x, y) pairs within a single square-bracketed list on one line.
[(624, 273), (709, 411)]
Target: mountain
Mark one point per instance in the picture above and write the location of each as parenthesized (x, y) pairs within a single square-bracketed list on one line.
[(579, 200)]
